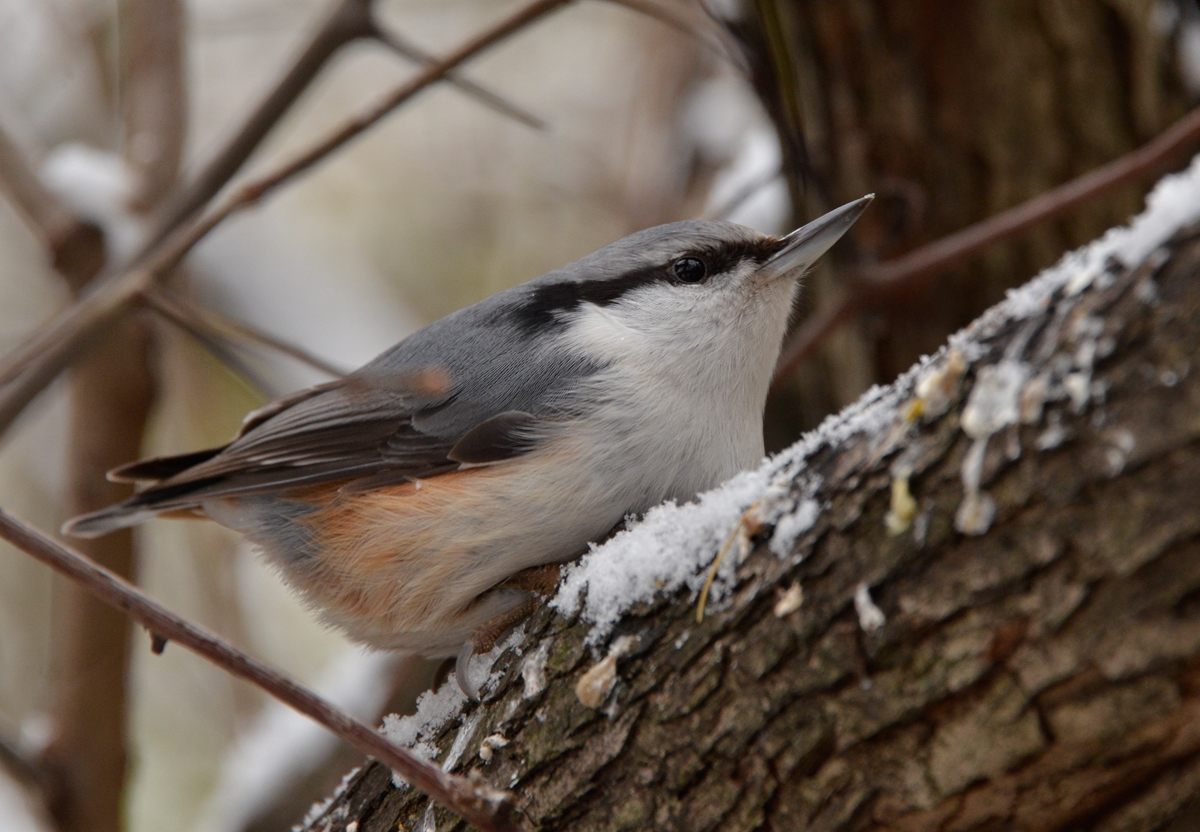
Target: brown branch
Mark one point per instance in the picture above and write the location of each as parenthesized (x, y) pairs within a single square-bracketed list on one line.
[(155, 104), (223, 351), (76, 246), (348, 20), (488, 809), (112, 392), (875, 282), (431, 74), (44, 211), (29, 368), (191, 316)]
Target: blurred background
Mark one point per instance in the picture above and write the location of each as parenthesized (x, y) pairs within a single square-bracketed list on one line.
[(765, 112)]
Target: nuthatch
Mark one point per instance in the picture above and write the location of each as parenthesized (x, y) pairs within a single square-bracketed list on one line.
[(411, 502)]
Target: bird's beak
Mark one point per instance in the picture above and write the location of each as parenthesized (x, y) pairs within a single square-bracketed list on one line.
[(805, 245)]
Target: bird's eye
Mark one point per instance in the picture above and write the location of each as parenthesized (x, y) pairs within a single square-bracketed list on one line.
[(689, 269)]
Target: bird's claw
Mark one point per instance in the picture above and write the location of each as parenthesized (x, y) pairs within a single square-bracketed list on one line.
[(462, 670)]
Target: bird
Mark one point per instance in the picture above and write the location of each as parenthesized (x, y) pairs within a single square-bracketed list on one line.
[(423, 502)]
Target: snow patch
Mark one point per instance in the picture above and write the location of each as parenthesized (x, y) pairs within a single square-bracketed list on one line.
[(870, 617), (995, 399), (435, 708), (533, 670), (99, 186), (417, 731), (789, 527)]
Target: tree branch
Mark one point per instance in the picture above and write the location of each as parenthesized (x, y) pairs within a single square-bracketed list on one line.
[(76, 246), (29, 368), (45, 212), (871, 283), (112, 389), (206, 324), (347, 21), (487, 808), (401, 46)]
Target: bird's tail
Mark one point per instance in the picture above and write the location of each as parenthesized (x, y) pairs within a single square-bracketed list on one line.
[(161, 497), (119, 516)]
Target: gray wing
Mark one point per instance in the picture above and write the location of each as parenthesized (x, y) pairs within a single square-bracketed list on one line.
[(458, 391)]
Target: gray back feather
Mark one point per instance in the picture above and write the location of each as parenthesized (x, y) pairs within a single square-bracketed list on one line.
[(399, 417)]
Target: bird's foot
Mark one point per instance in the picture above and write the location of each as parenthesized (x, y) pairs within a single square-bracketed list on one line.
[(484, 639), (540, 579)]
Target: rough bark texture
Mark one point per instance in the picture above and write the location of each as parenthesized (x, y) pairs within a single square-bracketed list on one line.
[(1041, 674), (951, 111)]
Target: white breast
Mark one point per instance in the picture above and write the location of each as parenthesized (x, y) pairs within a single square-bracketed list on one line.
[(680, 414)]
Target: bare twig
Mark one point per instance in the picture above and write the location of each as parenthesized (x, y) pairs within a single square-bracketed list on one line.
[(45, 212), (488, 810), (431, 74), (29, 368), (872, 283), (218, 345), (348, 20), (193, 317), (76, 246), (401, 46)]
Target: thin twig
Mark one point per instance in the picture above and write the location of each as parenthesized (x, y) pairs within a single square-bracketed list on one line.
[(48, 214), (29, 368), (431, 74), (218, 345), (193, 317), (488, 810), (348, 20), (912, 270), (482, 94), (76, 246)]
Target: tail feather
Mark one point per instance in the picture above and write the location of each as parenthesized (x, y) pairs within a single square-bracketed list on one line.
[(162, 467), (161, 497), (119, 516)]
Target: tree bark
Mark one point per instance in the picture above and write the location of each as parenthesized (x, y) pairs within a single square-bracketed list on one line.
[(950, 112), (1039, 673)]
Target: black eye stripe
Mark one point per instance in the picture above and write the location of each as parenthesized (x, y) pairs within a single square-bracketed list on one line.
[(545, 305)]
